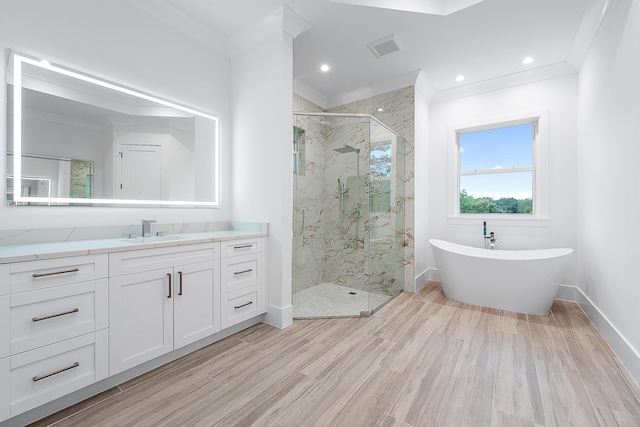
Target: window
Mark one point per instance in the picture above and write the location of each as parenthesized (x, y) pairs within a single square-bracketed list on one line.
[(496, 169)]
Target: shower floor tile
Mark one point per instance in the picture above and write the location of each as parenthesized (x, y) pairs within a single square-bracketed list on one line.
[(331, 300)]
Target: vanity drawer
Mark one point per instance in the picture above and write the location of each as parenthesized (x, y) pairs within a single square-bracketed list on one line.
[(241, 271), (242, 305), (137, 261), (30, 275), (41, 375), (241, 247), (45, 316)]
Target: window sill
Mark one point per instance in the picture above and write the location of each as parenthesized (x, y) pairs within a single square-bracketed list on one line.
[(499, 220)]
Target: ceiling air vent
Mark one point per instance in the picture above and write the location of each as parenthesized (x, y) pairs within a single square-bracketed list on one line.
[(385, 45)]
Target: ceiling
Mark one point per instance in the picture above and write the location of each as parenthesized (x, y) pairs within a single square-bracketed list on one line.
[(485, 41)]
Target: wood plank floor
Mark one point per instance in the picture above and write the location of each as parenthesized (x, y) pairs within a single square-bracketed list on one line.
[(422, 360)]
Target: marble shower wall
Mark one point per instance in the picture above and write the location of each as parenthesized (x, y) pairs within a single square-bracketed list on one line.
[(309, 207), (346, 260)]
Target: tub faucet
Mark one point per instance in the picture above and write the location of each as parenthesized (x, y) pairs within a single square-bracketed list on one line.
[(146, 227), (490, 241)]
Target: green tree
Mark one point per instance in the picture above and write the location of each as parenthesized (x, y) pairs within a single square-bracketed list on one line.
[(470, 204)]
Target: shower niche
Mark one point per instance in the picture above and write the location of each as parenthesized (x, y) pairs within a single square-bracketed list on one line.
[(348, 215)]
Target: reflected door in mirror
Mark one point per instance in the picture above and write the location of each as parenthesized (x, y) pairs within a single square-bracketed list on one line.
[(141, 172)]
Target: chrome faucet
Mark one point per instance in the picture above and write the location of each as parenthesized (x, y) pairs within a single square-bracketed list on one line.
[(146, 227), (491, 240)]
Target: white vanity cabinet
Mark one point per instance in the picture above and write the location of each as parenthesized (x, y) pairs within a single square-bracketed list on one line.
[(67, 322), (242, 280), (161, 299), (54, 328)]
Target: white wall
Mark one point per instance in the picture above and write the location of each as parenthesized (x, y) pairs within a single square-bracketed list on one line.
[(608, 159), (262, 106), (114, 40), (558, 96), (422, 201)]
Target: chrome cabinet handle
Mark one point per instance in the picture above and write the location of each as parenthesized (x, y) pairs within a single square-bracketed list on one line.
[(244, 271), (180, 276), (38, 319), (73, 270), (243, 247), (38, 378), (170, 285), (243, 305)]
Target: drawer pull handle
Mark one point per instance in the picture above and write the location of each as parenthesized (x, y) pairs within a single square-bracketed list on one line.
[(180, 275), (170, 285), (243, 247), (244, 271), (38, 378), (243, 305), (38, 319), (73, 270)]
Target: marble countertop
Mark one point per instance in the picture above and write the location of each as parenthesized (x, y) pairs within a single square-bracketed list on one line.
[(37, 251)]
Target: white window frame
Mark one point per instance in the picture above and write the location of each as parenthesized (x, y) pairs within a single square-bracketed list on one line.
[(540, 168)]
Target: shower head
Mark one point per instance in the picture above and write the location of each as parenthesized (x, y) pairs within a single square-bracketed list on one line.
[(347, 149)]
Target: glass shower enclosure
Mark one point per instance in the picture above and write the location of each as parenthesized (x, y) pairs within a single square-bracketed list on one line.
[(348, 219)]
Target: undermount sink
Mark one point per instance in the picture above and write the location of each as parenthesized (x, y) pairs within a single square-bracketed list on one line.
[(153, 239)]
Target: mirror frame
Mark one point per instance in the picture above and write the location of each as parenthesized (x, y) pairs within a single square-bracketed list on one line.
[(18, 60)]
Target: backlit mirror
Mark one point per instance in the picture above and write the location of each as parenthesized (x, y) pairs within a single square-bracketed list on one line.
[(77, 140)]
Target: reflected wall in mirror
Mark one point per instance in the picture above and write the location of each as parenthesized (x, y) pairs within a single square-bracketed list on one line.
[(50, 177), (137, 149)]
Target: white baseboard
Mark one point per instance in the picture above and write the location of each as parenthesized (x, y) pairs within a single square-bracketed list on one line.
[(279, 317), (429, 274), (568, 293), (620, 346)]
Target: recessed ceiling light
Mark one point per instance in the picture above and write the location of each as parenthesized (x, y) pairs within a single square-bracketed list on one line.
[(460, 78), (528, 60), (380, 110), (324, 68)]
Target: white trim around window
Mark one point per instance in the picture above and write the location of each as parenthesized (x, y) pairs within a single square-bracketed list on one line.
[(540, 217)]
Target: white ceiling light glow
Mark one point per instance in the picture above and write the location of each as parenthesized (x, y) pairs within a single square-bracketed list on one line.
[(324, 68), (528, 60), (460, 78)]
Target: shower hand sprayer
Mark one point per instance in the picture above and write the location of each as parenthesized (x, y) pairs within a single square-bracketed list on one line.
[(341, 191)]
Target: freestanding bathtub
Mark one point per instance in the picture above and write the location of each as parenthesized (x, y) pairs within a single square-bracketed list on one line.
[(524, 281)]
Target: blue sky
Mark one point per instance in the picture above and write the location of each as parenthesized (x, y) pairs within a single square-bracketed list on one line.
[(499, 148)]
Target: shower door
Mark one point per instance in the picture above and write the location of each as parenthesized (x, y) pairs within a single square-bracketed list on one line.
[(345, 189)]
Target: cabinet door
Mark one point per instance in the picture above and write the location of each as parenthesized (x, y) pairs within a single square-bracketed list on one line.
[(141, 318), (196, 305)]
